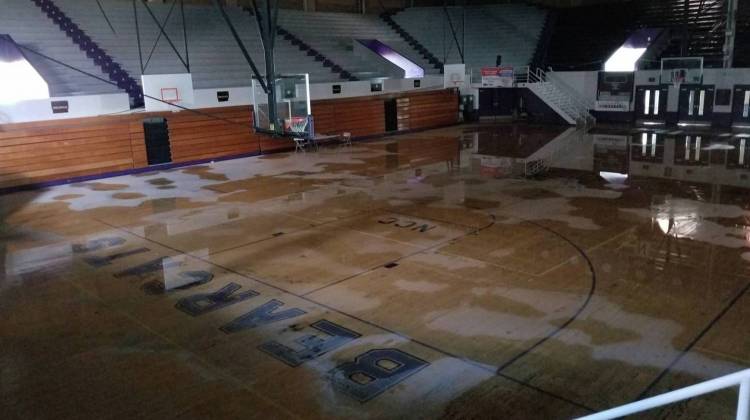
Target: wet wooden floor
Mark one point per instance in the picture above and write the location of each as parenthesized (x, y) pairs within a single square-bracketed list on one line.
[(420, 276)]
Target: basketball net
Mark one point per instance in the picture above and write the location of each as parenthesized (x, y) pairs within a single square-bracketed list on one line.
[(296, 126), (678, 77)]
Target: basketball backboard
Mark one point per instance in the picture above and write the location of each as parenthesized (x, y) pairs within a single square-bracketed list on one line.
[(168, 92), (292, 104), (679, 70)]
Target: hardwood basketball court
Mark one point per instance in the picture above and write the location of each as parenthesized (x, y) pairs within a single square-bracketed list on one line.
[(386, 279)]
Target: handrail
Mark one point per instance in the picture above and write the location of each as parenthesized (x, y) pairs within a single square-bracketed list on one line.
[(567, 89), (580, 103), (581, 108), (741, 378)]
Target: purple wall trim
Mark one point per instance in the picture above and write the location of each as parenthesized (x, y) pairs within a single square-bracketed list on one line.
[(153, 168)]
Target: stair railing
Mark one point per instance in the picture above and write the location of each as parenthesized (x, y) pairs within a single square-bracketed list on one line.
[(561, 85), (582, 106), (741, 379)]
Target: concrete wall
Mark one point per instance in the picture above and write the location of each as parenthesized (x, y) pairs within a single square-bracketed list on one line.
[(98, 105), (78, 107), (586, 83), (377, 6), (344, 6)]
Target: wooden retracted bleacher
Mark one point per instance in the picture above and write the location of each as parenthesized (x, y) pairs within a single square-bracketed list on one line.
[(365, 116), (50, 150), (57, 150)]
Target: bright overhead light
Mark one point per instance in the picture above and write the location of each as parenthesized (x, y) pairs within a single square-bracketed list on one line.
[(624, 59), (19, 80)]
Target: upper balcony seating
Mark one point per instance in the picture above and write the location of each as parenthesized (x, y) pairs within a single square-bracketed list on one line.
[(510, 30)]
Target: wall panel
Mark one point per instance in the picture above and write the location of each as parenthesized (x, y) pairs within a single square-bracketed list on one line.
[(365, 116), (51, 150)]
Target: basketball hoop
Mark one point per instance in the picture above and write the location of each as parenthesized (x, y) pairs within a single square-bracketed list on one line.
[(296, 126), (456, 79), (170, 95)]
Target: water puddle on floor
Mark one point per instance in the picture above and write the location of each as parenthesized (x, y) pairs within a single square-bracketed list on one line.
[(509, 269)]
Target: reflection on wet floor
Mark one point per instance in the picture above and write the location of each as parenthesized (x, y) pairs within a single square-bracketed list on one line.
[(505, 271)]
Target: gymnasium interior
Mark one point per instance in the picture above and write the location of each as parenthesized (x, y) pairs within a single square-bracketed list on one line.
[(374, 209)]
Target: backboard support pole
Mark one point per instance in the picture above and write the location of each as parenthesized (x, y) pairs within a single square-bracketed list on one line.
[(731, 33)]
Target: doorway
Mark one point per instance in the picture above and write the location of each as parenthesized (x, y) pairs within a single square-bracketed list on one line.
[(651, 103), (696, 103), (391, 115), (741, 104), (156, 133)]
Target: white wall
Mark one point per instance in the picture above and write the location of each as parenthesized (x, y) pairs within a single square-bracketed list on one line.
[(206, 98), (586, 83), (78, 107), (97, 105), (353, 89)]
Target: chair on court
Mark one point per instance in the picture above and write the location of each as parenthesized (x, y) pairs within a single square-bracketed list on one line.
[(300, 144), (346, 139)]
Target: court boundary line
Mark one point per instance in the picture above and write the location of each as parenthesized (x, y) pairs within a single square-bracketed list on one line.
[(693, 342), (575, 315)]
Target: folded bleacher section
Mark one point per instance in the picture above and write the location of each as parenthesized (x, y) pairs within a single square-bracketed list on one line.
[(411, 40), (215, 59), (115, 73), (510, 30), (335, 35)]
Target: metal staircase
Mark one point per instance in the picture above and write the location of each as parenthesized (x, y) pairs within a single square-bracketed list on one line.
[(562, 99)]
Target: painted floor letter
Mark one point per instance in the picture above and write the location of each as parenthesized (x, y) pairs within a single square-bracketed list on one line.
[(261, 315), (313, 346), (374, 372)]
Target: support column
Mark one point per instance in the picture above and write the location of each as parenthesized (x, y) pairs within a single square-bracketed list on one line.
[(268, 48), (731, 33)]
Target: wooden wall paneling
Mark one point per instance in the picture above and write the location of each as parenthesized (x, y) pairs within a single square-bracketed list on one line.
[(365, 116), (434, 109), (137, 143), (359, 116)]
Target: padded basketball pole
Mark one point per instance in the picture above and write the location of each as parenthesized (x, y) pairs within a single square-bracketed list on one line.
[(184, 34), (267, 28), (685, 41), (240, 44), (164, 33), (138, 35), (731, 33)]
